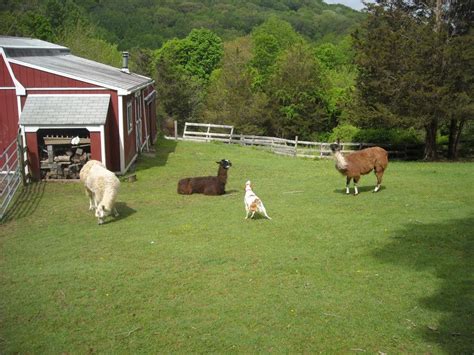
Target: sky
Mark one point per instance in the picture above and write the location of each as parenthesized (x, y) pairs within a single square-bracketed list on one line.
[(355, 4)]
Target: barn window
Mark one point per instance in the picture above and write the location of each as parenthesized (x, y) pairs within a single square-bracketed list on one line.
[(129, 116)]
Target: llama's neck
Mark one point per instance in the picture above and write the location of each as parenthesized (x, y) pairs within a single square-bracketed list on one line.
[(341, 163), (222, 174)]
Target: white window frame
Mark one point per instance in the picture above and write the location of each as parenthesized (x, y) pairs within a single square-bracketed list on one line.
[(129, 116)]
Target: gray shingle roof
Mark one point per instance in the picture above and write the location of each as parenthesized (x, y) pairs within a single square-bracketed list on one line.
[(58, 59), (24, 42), (71, 110)]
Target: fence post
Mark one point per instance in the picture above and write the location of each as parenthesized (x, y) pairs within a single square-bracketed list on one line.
[(231, 134), (296, 146), (175, 130), (21, 158)]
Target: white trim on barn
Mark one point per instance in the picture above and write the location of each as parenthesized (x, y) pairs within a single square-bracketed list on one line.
[(102, 145), (121, 134), (20, 90), (66, 89), (37, 67), (33, 129)]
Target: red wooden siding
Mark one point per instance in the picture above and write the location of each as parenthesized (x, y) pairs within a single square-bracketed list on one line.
[(112, 134), (129, 138), (33, 154), (8, 118), (95, 146), (35, 78), (5, 78)]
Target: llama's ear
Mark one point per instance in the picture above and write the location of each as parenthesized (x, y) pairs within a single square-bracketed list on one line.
[(338, 141)]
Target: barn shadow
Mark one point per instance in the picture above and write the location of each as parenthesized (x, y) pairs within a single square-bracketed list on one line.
[(445, 250), (158, 155), (25, 202)]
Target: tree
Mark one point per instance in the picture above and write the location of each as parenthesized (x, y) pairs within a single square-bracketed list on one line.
[(231, 99), (405, 51), (183, 68), (296, 90), (269, 40)]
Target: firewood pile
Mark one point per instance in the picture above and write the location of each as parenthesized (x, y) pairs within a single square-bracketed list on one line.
[(63, 157)]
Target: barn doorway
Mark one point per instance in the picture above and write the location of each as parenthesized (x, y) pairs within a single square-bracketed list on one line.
[(63, 152)]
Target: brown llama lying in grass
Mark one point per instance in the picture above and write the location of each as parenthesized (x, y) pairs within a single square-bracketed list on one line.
[(360, 163), (207, 185)]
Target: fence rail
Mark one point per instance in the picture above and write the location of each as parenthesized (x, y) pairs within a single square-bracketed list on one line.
[(10, 175), (291, 147)]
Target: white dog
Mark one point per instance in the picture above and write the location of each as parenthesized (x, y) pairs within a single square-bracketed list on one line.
[(253, 203)]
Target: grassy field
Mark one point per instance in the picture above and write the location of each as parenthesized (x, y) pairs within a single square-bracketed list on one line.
[(390, 272)]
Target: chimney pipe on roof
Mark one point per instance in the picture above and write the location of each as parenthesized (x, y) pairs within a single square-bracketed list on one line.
[(125, 56)]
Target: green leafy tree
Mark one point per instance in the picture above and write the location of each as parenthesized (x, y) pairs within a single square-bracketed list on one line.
[(230, 99), (297, 90), (183, 68), (269, 40), (403, 54)]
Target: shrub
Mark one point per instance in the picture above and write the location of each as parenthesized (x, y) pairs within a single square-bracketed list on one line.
[(345, 132), (349, 133)]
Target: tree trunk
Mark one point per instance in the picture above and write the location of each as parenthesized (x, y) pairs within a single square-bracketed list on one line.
[(431, 152), (455, 130)]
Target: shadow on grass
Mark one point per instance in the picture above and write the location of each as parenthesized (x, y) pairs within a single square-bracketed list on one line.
[(361, 189), (446, 250), (162, 149), (123, 210), (25, 202)]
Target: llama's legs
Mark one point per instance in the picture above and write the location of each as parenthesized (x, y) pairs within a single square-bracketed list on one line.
[(348, 182), (379, 174), (92, 205), (115, 212), (356, 181)]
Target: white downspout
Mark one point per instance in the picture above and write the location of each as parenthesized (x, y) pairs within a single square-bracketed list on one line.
[(102, 145), (121, 134)]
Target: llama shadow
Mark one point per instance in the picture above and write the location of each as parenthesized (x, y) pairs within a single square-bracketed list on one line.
[(25, 202), (360, 188), (157, 157), (445, 250), (123, 210)]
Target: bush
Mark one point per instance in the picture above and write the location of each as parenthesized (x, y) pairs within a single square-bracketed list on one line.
[(348, 133), (345, 132)]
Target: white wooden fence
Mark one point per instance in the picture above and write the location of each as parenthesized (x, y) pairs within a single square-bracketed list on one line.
[(202, 132), (206, 132)]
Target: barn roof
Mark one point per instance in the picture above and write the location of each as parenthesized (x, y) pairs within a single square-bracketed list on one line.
[(60, 110), (57, 59)]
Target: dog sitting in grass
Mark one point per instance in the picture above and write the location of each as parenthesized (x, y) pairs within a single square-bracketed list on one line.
[(253, 203)]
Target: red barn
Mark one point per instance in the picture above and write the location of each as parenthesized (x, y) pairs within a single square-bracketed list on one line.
[(60, 101)]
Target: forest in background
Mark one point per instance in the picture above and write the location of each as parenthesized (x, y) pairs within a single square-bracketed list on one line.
[(400, 72)]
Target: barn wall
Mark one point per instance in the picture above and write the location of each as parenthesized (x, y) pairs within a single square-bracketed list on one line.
[(5, 78), (129, 138), (8, 107), (8, 118), (95, 146), (35, 78), (112, 134), (33, 154)]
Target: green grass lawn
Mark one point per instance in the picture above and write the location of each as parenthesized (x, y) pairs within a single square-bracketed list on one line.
[(390, 272)]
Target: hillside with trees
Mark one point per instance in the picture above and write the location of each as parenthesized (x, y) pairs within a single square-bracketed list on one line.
[(400, 72)]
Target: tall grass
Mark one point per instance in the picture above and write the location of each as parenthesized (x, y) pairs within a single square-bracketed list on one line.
[(388, 272)]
